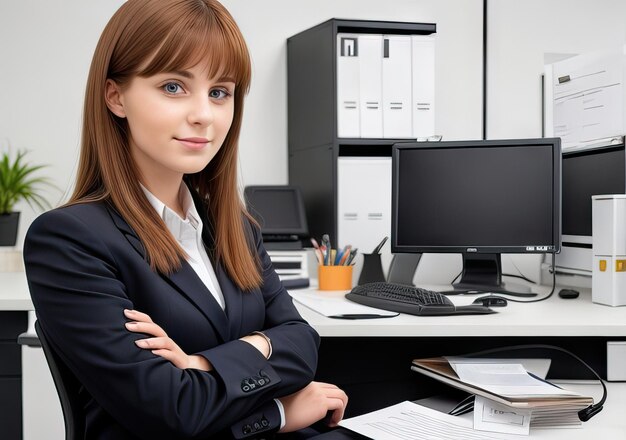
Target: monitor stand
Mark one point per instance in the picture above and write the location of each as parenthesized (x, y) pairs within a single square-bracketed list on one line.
[(484, 272)]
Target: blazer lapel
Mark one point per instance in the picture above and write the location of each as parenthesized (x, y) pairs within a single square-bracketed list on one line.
[(185, 280), (190, 285), (233, 298)]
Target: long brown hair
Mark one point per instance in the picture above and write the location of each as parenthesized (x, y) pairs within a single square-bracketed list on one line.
[(143, 38)]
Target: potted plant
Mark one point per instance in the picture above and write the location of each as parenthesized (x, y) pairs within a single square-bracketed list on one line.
[(18, 183)]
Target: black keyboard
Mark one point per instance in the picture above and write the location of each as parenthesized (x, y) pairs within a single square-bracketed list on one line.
[(412, 300)]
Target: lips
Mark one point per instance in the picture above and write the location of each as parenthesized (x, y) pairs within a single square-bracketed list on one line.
[(194, 143)]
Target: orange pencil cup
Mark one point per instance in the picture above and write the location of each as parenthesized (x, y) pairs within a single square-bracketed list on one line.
[(335, 277)]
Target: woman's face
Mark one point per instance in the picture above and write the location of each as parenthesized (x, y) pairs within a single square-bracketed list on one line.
[(177, 120)]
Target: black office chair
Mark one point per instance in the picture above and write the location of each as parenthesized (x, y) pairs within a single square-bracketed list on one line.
[(67, 388)]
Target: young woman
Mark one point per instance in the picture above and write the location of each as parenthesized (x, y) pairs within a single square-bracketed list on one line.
[(152, 283)]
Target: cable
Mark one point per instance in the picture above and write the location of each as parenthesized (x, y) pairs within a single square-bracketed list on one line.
[(584, 414), (552, 266), (553, 270)]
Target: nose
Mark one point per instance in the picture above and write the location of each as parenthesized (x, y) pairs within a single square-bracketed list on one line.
[(201, 111)]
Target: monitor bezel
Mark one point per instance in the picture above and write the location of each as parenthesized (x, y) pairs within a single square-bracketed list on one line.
[(536, 248)]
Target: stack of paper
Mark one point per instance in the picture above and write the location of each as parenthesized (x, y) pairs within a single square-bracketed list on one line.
[(509, 399)]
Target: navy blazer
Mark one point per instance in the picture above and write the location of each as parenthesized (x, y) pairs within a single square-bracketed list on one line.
[(85, 265)]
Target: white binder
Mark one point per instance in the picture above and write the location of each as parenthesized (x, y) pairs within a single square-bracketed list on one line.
[(348, 120), (423, 69), (397, 78), (371, 85), (363, 201)]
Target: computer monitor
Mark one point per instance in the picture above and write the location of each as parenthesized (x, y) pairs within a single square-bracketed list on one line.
[(478, 198), (279, 209), (586, 173)]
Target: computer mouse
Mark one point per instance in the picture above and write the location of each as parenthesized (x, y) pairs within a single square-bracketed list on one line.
[(568, 293), (491, 301)]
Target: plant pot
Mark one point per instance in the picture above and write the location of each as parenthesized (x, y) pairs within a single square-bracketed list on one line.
[(8, 228)]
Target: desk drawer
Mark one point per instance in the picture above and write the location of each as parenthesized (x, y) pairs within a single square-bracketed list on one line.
[(12, 324)]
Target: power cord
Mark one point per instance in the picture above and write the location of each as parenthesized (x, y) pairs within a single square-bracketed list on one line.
[(553, 270), (584, 414)]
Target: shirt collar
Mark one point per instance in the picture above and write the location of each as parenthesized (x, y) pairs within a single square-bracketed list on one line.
[(178, 226)]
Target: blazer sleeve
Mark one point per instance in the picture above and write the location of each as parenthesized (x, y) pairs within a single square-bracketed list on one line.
[(73, 278), (294, 342)]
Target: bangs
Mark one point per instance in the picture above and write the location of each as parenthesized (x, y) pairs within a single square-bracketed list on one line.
[(198, 36)]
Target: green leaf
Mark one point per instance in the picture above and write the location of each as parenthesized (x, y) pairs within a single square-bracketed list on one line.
[(17, 182)]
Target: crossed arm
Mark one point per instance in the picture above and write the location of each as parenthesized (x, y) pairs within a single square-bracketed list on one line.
[(302, 408)]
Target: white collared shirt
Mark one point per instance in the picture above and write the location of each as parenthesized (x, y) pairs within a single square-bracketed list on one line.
[(188, 233)]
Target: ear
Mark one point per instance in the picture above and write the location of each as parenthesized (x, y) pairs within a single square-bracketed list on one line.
[(114, 99)]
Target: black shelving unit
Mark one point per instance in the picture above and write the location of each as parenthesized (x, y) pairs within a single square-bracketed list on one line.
[(312, 114)]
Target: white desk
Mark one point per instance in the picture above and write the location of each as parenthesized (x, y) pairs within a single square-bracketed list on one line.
[(553, 317), (14, 295)]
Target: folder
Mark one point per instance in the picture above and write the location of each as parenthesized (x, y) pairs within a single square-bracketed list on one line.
[(363, 203), (371, 85), (397, 78), (348, 120), (423, 70), (559, 408)]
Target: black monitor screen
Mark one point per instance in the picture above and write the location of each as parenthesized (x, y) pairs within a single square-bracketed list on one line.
[(477, 197), (588, 173), (278, 209)]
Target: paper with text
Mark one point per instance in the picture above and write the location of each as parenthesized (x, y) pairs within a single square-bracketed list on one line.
[(410, 421)]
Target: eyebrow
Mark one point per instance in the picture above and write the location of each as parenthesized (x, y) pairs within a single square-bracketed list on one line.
[(189, 75)]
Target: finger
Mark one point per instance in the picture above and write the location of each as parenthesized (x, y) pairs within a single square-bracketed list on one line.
[(338, 407), (328, 385), (156, 343), (165, 354), (137, 315), (336, 393), (149, 328)]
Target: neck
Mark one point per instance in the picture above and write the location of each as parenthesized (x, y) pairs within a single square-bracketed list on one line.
[(167, 192)]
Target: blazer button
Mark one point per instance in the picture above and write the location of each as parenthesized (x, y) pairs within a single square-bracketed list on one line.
[(247, 429), (257, 426), (264, 422)]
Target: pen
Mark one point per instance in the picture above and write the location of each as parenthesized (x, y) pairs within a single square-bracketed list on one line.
[(361, 316), (318, 251), (351, 256), (380, 245), (344, 255), (326, 242)]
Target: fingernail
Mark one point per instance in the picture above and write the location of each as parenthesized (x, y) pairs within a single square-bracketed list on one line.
[(128, 312), (141, 343), (131, 324)]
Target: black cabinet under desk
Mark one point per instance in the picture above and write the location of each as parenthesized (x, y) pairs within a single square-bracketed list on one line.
[(12, 324)]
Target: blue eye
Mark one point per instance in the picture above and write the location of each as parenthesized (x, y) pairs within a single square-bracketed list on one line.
[(171, 87), (218, 94)]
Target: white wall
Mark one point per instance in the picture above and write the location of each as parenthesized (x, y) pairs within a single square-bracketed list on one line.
[(520, 35), (46, 48), (45, 52)]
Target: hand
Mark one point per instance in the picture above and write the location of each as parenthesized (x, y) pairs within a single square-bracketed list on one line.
[(162, 345), (311, 404)]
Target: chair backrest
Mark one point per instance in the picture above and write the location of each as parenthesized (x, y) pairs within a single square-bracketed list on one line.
[(67, 388)]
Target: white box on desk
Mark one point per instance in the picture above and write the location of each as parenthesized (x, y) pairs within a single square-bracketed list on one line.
[(609, 249)]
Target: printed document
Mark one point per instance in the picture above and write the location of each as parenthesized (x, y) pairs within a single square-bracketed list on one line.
[(410, 421)]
